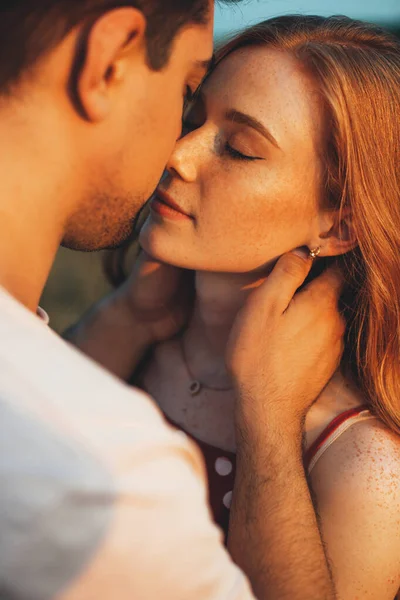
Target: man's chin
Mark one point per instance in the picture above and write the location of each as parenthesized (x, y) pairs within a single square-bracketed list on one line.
[(100, 242)]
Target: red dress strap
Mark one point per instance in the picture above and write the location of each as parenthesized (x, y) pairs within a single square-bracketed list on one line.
[(330, 430)]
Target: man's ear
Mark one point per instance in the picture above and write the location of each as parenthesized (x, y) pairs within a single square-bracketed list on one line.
[(338, 235), (108, 42)]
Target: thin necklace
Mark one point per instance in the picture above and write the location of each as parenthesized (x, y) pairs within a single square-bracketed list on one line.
[(196, 386)]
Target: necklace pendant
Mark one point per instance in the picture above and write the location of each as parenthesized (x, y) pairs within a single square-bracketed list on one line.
[(195, 388)]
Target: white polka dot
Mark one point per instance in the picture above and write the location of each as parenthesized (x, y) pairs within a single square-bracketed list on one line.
[(223, 466), (227, 499)]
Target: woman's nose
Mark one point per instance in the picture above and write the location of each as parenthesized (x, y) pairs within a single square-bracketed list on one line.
[(186, 158)]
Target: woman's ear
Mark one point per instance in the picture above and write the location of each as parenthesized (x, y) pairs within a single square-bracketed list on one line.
[(105, 62), (337, 235)]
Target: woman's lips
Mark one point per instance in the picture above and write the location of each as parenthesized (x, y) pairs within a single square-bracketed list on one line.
[(163, 205)]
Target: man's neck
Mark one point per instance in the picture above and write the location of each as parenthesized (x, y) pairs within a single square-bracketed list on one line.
[(25, 262), (32, 202)]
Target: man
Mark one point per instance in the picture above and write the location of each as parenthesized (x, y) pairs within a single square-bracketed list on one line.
[(99, 498)]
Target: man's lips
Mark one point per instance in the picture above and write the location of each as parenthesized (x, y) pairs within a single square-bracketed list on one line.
[(163, 204)]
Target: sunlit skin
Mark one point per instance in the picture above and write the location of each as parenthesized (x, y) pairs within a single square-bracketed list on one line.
[(246, 192), (95, 141), (246, 210), (235, 217), (134, 143), (247, 182)]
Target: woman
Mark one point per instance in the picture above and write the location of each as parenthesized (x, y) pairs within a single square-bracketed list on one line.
[(294, 141)]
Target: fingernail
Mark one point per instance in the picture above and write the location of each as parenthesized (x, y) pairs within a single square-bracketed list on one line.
[(302, 252)]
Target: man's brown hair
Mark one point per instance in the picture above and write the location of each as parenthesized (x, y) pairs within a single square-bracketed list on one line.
[(30, 28)]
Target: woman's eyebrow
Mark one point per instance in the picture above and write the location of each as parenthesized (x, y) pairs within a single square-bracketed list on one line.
[(243, 119)]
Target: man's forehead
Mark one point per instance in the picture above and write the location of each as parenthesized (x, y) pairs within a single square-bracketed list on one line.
[(200, 51), (198, 41)]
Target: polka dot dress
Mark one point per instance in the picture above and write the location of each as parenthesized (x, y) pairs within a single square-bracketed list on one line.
[(220, 465), (221, 468)]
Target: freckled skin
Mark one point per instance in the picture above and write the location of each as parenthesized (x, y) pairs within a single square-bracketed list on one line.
[(246, 214), (357, 485)]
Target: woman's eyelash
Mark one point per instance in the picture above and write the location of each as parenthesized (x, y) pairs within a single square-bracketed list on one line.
[(187, 127), (236, 154)]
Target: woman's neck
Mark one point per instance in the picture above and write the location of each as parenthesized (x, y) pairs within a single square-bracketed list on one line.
[(218, 300), (219, 297)]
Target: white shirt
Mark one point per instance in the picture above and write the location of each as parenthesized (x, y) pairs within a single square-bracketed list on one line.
[(99, 497)]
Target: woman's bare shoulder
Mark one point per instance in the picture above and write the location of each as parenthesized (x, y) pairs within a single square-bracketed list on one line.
[(367, 454), (357, 488), (367, 442)]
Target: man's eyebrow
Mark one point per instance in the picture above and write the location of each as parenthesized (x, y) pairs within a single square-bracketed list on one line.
[(205, 65), (244, 119)]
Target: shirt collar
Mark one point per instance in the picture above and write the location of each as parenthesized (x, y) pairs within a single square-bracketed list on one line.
[(42, 314)]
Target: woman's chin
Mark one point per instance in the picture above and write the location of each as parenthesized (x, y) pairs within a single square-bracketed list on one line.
[(162, 247)]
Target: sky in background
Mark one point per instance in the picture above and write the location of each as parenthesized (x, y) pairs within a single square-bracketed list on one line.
[(229, 18)]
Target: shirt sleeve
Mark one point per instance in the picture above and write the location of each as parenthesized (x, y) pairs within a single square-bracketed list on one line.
[(99, 498), (161, 542), (129, 524)]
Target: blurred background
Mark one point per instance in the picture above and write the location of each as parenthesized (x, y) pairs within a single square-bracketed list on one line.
[(77, 279), (248, 12)]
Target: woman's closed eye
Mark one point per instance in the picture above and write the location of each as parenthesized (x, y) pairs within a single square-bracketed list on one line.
[(240, 145), (190, 124), (237, 155)]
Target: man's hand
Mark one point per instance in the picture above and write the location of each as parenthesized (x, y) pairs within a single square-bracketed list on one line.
[(284, 347), (151, 306), (283, 350), (159, 297)]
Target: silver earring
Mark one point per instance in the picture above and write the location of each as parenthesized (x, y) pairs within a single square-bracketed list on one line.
[(315, 253)]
